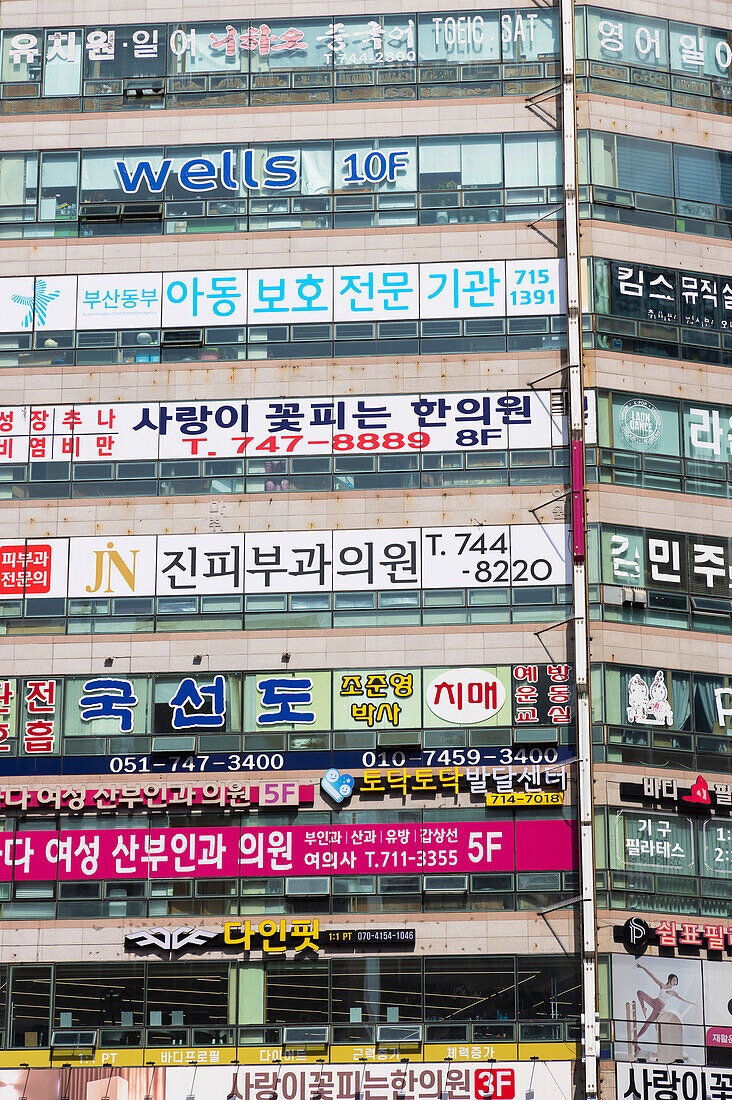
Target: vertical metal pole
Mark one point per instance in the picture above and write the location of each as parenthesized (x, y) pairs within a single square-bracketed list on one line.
[(590, 1025)]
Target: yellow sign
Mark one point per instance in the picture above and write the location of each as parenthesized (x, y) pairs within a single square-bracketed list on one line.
[(267, 1055), (521, 798)]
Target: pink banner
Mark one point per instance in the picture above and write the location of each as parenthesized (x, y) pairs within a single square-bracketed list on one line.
[(155, 795), (457, 847)]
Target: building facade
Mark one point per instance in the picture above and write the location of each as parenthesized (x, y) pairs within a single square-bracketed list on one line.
[(365, 445)]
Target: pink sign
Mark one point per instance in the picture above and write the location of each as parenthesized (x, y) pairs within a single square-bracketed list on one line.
[(458, 847), (155, 796)]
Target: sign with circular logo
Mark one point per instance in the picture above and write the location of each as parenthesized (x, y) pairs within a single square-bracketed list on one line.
[(641, 425), (465, 696)]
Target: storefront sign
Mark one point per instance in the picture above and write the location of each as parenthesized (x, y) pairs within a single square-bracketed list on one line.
[(242, 763), (293, 295), (429, 422), (671, 843), (280, 171), (157, 796), (446, 781), (271, 937), (460, 847), (670, 935), (692, 299), (378, 1073), (702, 796), (641, 425), (306, 561), (41, 712), (674, 1082)]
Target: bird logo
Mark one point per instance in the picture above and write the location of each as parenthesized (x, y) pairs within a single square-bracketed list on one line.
[(37, 303)]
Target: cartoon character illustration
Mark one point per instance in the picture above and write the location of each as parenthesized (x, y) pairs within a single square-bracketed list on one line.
[(637, 699), (339, 787), (649, 708)]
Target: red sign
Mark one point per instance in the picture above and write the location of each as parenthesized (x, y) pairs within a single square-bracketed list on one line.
[(495, 1084), (25, 569)]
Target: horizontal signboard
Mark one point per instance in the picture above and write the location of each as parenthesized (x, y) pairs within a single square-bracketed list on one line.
[(369, 1074), (293, 295), (41, 713), (292, 561), (254, 852), (382, 424), (270, 937), (154, 765)]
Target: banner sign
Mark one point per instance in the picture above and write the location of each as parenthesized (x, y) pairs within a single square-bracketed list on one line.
[(293, 295), (460, 847), (271, 937), (672, 1010), (675, 1082), (383, 424), (157, 796), (311, 760), (292, 561), (42, 712), (671, 843), (369, 1075)]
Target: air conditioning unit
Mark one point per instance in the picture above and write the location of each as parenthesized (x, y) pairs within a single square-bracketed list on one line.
[(305, 1036), (617, 596), (68, 1037), (399, 1033)]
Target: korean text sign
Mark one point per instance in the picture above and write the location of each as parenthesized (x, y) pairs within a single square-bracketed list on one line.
[(306, 561), (460, 847), (307, 295), (383, 424)]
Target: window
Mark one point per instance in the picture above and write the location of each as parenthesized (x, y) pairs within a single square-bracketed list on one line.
[(376, 991), (477, 989)]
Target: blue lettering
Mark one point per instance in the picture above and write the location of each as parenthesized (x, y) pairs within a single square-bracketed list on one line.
[(143, 170), (280, 171), (227, 173), (198, 174)]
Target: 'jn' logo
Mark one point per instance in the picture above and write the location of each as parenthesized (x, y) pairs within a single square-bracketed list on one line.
[(111, 557), (37, 303)]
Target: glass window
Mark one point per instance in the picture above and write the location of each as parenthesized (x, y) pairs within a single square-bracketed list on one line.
[(188, 993), (100, 181), (532, 160), (59, 187), (700, 51), (478, 989), (204, 690), (208, 48), (62, 69), (21, 55), (703, 175), (380, 40), (646, 425), (112, 704), (125, 51), (366, 165), (621, 698), (548, 988), (297, 993), (89, 996), (30, 1006), (528, 35), (303, 44), (460, 39), (628, 162), (617, 37), (376, 991), (18, 179)]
